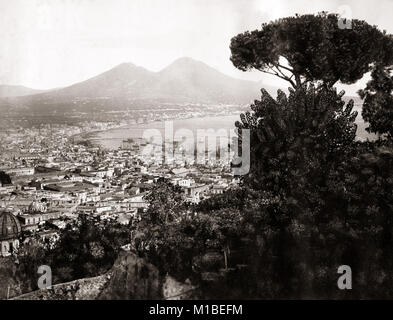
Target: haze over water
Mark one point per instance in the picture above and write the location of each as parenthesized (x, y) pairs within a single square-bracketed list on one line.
[(112, 139)]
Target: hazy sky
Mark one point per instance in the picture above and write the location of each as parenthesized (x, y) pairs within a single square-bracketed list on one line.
[(52, 43)]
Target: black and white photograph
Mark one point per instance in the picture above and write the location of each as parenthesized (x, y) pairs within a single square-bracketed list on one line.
[(193, 150)]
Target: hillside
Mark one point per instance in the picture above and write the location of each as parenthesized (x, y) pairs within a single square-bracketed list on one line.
[(184, 81), (195, 81), (124, 80), (17, 91)]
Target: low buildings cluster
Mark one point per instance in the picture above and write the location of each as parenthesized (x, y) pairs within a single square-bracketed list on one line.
[(54, 179)]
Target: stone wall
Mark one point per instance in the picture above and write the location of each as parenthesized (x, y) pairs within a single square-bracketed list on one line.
[(83, 289), (130, 278)]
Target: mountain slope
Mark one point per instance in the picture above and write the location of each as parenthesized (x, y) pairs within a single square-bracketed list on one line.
[(193, 80), (17, 91), (184, 81), (123, 80)]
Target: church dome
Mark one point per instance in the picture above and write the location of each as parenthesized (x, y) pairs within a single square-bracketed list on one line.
[(9, 226)]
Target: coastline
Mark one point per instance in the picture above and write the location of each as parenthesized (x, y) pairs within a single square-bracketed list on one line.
[(91, 136)]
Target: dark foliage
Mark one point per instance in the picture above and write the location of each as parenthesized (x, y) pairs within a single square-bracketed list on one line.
[(378, 102), (315, 48), (86, 248), (295, 137), (233, 198), (4, 178)]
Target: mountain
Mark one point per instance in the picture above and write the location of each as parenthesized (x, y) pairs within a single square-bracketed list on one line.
[(184, 81), (193, 80), (17, 91), (124, 80)]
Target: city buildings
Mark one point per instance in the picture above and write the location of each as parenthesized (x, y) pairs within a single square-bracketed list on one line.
[(55, 177)]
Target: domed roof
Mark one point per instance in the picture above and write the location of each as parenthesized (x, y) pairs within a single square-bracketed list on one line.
[(36, 207), (9, 226)]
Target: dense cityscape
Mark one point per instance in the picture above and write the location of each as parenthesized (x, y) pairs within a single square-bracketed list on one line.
[(51, 174)]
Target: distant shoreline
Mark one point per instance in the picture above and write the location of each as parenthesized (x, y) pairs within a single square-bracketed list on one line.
[(92, 138)]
